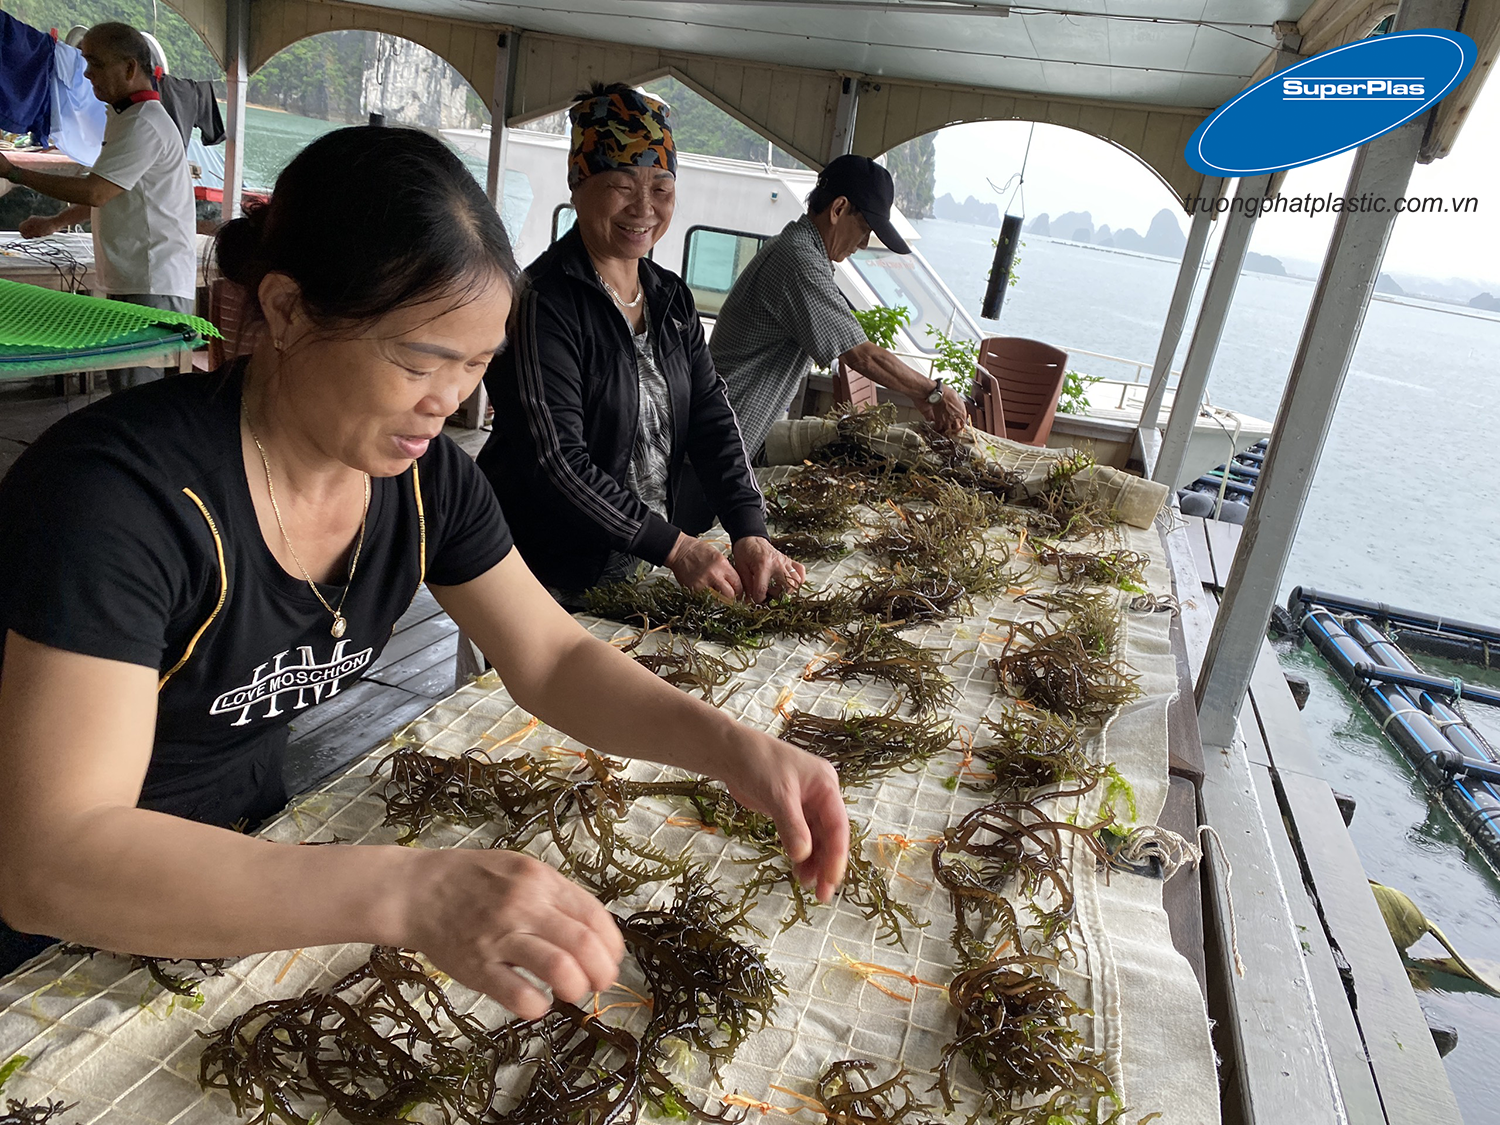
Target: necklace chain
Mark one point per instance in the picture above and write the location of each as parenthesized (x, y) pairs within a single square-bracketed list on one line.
[(640, 292), (340, 623)]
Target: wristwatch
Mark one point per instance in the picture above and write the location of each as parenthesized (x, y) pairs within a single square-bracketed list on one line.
[(936, 396)]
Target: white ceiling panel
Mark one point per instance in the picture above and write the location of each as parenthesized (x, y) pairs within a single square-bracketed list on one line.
[(1136, 50)]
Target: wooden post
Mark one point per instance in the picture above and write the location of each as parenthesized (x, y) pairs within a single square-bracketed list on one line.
[(236, 51), (1182, 295), (494, 173), (842, 141), (1381, 170), (472, 410), (1210, 327)]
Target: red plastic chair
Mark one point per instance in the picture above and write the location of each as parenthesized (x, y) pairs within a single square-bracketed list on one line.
[(1030, 377), (986, 411), (854, 388)]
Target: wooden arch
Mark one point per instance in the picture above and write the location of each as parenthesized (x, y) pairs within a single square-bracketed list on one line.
[(892, 113)]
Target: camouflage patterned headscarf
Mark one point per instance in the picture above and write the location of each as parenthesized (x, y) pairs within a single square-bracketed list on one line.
[(619, 127)]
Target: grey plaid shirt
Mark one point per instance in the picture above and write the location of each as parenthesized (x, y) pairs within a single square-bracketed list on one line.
[(784, 313)]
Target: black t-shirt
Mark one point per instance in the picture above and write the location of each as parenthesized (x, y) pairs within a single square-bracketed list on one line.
[(127, 532)]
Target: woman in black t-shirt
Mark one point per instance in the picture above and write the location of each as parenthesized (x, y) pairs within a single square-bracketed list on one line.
[(190, 565)]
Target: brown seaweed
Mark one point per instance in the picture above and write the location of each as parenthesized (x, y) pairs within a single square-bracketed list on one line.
[(865, 747), (1016, 1031), (1036, 749), (866, 887), (1121, 568), (848, 1095), (522, 798), (713, 617), (1009, 846), (386, 1039), (814, 501), (874, 652), (684, 665), (905, 596), (176, 982), (806, 547), (22, 1112), (707, 989), (1068, 670)]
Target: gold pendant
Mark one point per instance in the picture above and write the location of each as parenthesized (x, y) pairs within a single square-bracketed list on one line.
[(339, 625)]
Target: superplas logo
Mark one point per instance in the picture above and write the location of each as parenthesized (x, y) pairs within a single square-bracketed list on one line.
[(1390, 89), (1331, 103)]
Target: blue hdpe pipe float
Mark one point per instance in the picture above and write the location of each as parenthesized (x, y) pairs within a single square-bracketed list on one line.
[(1412, 707)]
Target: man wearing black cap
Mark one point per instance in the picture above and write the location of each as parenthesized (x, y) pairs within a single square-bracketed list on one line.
[(786, 312)]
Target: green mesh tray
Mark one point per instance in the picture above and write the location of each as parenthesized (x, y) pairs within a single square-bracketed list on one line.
[(31, 316)]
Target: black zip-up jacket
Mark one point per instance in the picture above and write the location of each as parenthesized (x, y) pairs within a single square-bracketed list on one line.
[(567, 411)]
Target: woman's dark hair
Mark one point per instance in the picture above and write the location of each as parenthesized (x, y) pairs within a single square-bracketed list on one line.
[(369, 219)]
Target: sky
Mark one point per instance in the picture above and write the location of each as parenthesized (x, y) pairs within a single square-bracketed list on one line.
[(1072, 171)]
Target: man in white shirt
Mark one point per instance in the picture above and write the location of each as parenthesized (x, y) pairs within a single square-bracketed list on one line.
[(138, 195)]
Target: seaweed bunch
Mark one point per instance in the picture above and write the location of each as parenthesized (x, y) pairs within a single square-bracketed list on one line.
[(866, 887), (385, 1039), (707, 989), (904, 596), (1067, 670), (1015, 1029), (524, 798), (177, 983), (864, 747), (959, 462), (683, 665), (944, 542), (22, 1112), (1002, 845), (815, 501), (848, 1095), (870, 651), (858, 431), (1066, 512), (469, 789), (806, 547), (1037, 749), (715, 618), (1122, 568)]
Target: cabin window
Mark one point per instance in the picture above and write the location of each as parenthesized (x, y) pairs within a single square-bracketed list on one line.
[(563, 218), (712, 261), (906, 279)]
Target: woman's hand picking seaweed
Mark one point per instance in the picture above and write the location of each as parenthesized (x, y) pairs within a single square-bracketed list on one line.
[(481, 915), (800, 792)]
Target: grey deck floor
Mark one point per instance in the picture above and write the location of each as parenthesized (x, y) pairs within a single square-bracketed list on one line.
[(414, 671)]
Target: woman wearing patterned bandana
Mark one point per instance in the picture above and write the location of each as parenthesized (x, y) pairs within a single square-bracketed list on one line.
[(609, 386)]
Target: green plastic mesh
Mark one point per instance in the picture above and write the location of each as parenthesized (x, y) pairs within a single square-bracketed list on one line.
[(33, 316)]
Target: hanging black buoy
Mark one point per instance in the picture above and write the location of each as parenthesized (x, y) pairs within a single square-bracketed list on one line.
[(1005, 254)]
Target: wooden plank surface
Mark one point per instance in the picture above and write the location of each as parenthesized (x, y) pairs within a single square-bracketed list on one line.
[(1346, 1047), (1408, 1073), (378, 711), (1281, 1071), (1182, 894)]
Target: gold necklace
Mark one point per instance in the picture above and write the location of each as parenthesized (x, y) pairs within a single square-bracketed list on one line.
[(340, 623)]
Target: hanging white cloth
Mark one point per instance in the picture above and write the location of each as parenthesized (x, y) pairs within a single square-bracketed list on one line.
[(77, 116)]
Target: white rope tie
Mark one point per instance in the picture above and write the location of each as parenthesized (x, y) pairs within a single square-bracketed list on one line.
[(1234, 933), (1149, 842)]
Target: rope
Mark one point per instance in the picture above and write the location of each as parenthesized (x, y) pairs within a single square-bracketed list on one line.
[(1153, 842), (1402, 711), (1234, 933)]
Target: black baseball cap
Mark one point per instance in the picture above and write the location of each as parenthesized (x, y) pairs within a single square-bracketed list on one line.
[(870, 189)]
